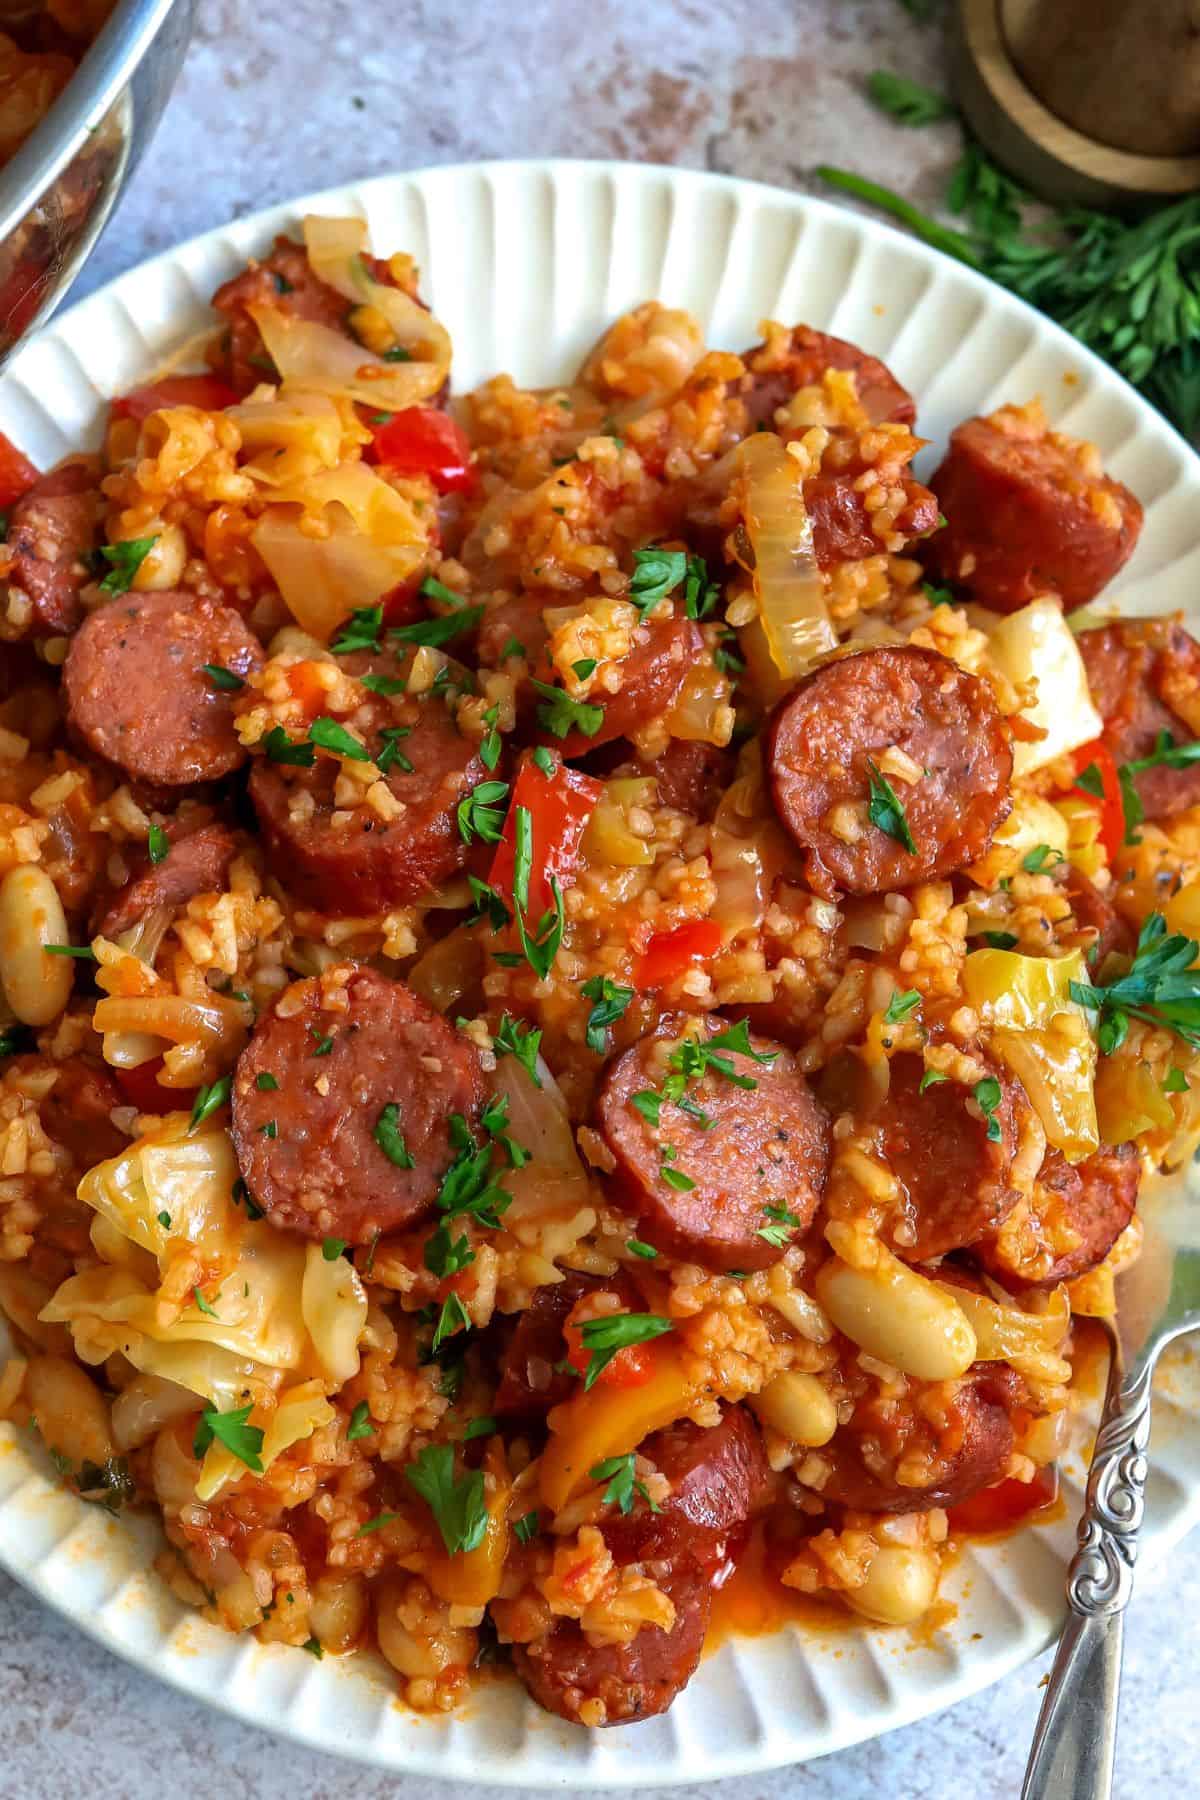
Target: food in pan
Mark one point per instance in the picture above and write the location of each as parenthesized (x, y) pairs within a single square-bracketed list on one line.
[(591, 977)]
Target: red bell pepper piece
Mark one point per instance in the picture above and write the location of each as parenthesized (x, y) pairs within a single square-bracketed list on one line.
[(670, 954), (206, 391), (559, 806), (1109, 802), (142, 1088), (17, 473), (632, 1365), (420, 440)]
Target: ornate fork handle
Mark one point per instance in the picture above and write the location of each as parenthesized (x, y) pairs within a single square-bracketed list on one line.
[(1075, 1741)]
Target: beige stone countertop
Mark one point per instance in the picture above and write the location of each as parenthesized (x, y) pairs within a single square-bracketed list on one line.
[(282, 96)]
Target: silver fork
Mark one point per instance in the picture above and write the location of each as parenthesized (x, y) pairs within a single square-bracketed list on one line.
[(1158, 1299)]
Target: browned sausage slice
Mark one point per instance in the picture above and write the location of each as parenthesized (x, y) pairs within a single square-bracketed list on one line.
[(1140, 672), (967, 1451), (651, 677), (137, 693), (770, 383), (953, 1178), (532, 1378), (701, 1185), (51, 534), (1029, 512), (305, 1125), (351, 862), (1077, 1214), (823, 738), (283, 279), (842, 524), (562, 1671), (77, 1111), (196, 863), (719, 1478)]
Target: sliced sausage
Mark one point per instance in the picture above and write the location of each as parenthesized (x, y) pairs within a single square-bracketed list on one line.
[(1029, 512), (631, 1681), (823, 738), (691, 777), (285, 280), (77, 1111), (1078, 1213), (953, 1179), (700, 1187), (770, 384), (197, 862), (968, 1450), (1140, 672), (1094, 912), (52, 533), (531, 1377), (651, 677), (137, 693), (844, 528), (350, 862), (719, 1478), (307, 1127)]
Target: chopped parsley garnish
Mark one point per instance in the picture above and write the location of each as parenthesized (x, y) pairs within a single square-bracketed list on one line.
[(327, 734), (1042, 856), (901, 1006), (584, 667), (375, 1524), (332, 1248), (210, 1100), (514, 1038), (489, 748), (83, 952), (488, 905), (543, 759), (265, 1083), (452, 1319), (323, 1045), (313, 1646), (203, 1304), (1175, 1081), (615, 1331), (391, 756), (386, 685), (885, 811), (617, 1471), (222, 678), (468, 1185), (360, 632), (360, 1425), (937, 596), (930, 1078), (987, 1097), (637, 1248), (783, 1226), (390, 1138), (1167, 754), (158, 845), (482, 1427), (445, 1255), (270, 1129), (1001, 940), (164, 1219), (230, 1430), (512, 647), (1091, 781), (649, 1104), (1160, 987), (433, 633), (457, 1503), (560, 715), (481, 813), (656, 572), (397, 354), (280, 748), (609, 1004), (526, 1528), (125, 559), (675, 1178)]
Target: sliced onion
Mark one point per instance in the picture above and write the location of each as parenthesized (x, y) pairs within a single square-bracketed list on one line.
[(553, 1181), (791, 596), (703, 713), (310, 355), (450, 966)]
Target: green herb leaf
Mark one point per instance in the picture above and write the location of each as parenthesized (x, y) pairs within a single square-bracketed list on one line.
[(360, 632), (125, 559), (938, 596), (931, 1078), (478, 1428), (82, 952), (386, 685), (636, 1246), (490, 745), (609, 1004), (560, 715), (1091, 781), (1161, 986), (655, 573), (280, 748), (584, 667), (605, 1336), (332, 1248), (1001, 940), (391, 756), (457, 1503), (444, 1255), (901, 1006), (481, 814), (360, 1425), (617, 1471), (783, 1228), (987, 1097), (1042, 856), (158, 845), (649, 1104), (513, 1037), (388, 1135), (526, 1528), (1175, 1081), (885, 811), (164, 1219), (907, 100), (210, 1100), (375, 1524), (231, 1430), (675, 1178), (327, 734), (223, 679), (203, 1304), (266, 1083)]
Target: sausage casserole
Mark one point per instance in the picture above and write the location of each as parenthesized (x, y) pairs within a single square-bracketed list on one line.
[(590, 977)]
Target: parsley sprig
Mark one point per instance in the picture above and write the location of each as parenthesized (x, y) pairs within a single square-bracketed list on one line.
[(885, 810), (1161, 986), (609, 1003), (908, 101), (456, 1502), (623, 1485), (604, 1337), (230, 1429)]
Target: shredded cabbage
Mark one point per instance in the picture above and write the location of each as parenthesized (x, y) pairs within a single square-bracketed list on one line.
[(1037, 643), (301, 1411), (1043, 1036)]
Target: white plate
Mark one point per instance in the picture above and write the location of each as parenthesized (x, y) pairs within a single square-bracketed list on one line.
[(526, 263)]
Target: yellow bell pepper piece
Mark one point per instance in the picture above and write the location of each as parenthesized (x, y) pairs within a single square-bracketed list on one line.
[(1031, 822), (611, 1421), (1043, 1037), (1182, 911), (1129, 1100), (472, 1578), (609, 837), (1084, 849)]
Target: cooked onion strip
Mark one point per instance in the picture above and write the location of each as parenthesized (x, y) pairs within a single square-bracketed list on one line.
[(787, 583)]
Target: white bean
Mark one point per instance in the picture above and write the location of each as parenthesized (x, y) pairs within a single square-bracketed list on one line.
[(36, 986), (900, 1588), (797, 1407), (161, 567), (900, 1317), (337, 1611)]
